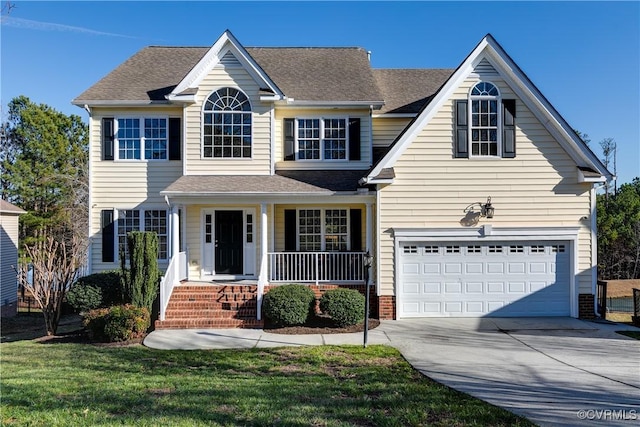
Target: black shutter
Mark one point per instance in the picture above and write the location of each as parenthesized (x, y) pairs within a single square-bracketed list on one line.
[(290, 229), (356, 229), (107, 138), (509, 128), (461, 146), (354, 139), (289, 139), (175, 138), (108, 229)]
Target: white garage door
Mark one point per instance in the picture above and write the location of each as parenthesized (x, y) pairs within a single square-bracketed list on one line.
[(501, 279)]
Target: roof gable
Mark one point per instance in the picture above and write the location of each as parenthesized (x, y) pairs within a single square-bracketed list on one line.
[(489, 57), (225, 44)]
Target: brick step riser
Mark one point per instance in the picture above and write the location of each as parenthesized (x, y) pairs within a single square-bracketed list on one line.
[(217, 289), (211, 305), (208, 324), (210, 314), (197, 295)]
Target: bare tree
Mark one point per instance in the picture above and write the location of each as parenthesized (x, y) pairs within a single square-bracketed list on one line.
[(55, 266)]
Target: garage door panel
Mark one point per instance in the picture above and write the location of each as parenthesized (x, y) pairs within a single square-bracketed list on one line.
[(474, 287), (453, 268), (495, 267), (431, 268), (517, 268), (411, 268), (474, 268), (469, 279), (432, 288), (411, 288)]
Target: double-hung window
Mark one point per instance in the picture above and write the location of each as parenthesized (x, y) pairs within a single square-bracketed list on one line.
[(322, 139), (485, 124), (141, 138), (485, 118), (147, 220), (323, 229)]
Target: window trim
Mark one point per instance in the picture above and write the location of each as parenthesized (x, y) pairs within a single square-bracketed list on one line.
[(499, 126), (323, 232), (203, 111), (322, 139), (141, 119)]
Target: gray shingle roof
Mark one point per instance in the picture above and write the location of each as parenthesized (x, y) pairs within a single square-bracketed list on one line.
[(319, 74), (408, 90), (337, 180), (305, 74), (240, 185), (9, 208), (148, 75)]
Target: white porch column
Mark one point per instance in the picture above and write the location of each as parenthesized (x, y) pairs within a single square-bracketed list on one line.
[(175, 231), (369, 234), (264, 271)]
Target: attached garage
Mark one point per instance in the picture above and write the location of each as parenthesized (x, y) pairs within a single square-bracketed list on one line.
[(509, 278)]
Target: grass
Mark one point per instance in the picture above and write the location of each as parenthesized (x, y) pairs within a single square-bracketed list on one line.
[(66, 384), (630, 334)]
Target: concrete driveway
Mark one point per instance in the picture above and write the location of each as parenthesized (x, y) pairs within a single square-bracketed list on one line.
[(554, 371)]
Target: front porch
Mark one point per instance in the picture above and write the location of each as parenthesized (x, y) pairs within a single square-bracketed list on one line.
[(188, 303)]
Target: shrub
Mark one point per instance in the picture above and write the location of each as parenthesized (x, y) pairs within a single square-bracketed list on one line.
[(94, 322), (142, 280), (95, 291), (117, 323), (289, 305), (345, 306)]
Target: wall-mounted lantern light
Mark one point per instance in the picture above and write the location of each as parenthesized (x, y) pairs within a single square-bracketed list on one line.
[(486, 209)]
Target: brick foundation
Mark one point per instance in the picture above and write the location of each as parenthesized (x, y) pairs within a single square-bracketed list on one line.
[(586, 306), (387, 307)]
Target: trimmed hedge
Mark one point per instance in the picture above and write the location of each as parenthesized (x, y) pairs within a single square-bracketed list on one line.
[(289, 305), (98, 290), (117, 323), (345, 306)]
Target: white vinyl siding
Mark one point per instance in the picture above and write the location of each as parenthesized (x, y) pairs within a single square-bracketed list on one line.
[(8, 258), (125, 184), (538, 188), (387, 129)]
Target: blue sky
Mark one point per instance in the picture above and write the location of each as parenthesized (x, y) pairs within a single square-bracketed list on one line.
[(583, 56)]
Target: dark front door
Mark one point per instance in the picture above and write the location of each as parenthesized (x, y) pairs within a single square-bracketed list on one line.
[(229, 242)]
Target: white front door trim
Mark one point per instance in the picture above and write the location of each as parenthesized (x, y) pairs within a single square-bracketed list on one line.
[(488, 233)]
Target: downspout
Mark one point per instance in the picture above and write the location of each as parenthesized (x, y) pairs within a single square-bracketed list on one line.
[(89, 262), (594, 245)]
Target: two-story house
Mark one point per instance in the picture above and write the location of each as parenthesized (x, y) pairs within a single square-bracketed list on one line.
[(262, 166)]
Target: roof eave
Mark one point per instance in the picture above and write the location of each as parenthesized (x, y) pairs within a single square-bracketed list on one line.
[(328, 103), (118, 103)]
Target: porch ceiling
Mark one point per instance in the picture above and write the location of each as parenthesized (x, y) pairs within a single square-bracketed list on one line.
[(321, 183)]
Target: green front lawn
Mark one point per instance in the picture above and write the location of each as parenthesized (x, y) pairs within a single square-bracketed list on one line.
[(86, 385)]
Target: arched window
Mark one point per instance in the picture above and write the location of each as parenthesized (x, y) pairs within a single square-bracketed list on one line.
[(227, 124), (485, 119)]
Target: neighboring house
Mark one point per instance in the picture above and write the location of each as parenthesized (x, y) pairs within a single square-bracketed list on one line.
[(9, 258), (286, 165)]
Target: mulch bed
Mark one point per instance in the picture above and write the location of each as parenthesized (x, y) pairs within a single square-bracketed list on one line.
[(319, 325)]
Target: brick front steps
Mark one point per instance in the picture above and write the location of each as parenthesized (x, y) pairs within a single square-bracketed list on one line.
[(211, 306)]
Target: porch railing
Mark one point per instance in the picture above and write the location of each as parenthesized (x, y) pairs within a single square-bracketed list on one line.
[(316, 267), (176, 272)]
